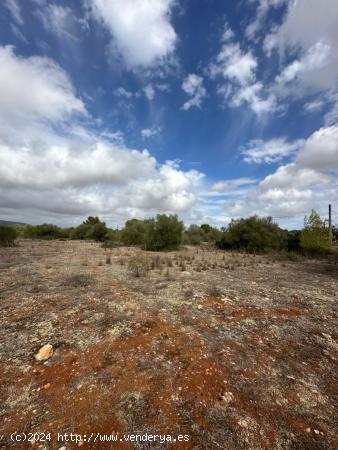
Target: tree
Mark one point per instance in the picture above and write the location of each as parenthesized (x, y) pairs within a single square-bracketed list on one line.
[(134, 232), (92, 221), (314, 237), (253, 234), (163, 233), (98, 232), (91, 228), (194, 235), (8, 235)]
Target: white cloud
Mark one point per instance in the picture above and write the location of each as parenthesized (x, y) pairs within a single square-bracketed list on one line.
[(149, 92), (34, 88), (15, 10), (53, 167), (320, 151), (331, 117), (58, 19), (193, 86), (274, 150), (316, 58), (122, 92), (141, 29), (253, 95), (314, 106), (310, 181), (309, 31), (262, 10), (149, 132), (292, 176), (239, 83), (229, 185), (234, 64)]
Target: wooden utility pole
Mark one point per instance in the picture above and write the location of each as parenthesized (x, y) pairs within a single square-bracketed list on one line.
[(330, 225)]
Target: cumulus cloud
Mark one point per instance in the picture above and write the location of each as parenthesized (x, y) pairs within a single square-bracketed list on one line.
[(309, 32), (309, 181), (321, 150), (237, 69), (274, 150), (233, 63), (35, 88), (254, 96), (141, 29), (193, 86), (52, 165)]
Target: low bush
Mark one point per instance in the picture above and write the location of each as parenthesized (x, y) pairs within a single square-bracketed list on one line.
[(78, 279), (44, 231), (91, 228), (314, 239), (138, 266), (8, 235), (253, 234)]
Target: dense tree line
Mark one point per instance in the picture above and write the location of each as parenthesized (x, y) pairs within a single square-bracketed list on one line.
[(167, 232)]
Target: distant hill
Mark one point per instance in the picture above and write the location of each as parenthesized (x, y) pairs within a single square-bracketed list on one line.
[(9, 222)]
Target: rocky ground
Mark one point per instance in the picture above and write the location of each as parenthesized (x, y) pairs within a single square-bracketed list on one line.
[(235, 351)]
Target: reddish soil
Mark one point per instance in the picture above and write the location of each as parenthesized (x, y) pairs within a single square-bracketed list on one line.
[(231, 371)]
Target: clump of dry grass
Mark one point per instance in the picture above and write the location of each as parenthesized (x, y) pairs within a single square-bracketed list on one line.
[(138, 266), (189, 293), (169, 275), (214, 291), (78, 279), (169, 262)]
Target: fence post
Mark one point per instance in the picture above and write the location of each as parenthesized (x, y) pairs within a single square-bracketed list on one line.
[(330, 225)]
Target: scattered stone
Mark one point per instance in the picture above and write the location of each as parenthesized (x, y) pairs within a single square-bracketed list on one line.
[(44, 353), (243, 423), (62, 448), (308, 430), (316, 431), (227, 397), (199, 307)]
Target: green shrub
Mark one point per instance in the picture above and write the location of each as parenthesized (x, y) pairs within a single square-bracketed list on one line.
[(163, 233), (253, 234), (8, 235), (44, 231), (194, 235), (292, 241), (314, 238), (98, 232), (134, 232), (91, 228)]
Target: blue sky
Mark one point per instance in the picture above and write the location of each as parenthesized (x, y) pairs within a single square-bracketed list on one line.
[(211, 110)]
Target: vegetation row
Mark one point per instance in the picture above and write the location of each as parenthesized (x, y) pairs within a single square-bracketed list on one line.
[(167, 232)]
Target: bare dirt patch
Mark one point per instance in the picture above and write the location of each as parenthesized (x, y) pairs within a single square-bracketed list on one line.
[(236, 351)]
